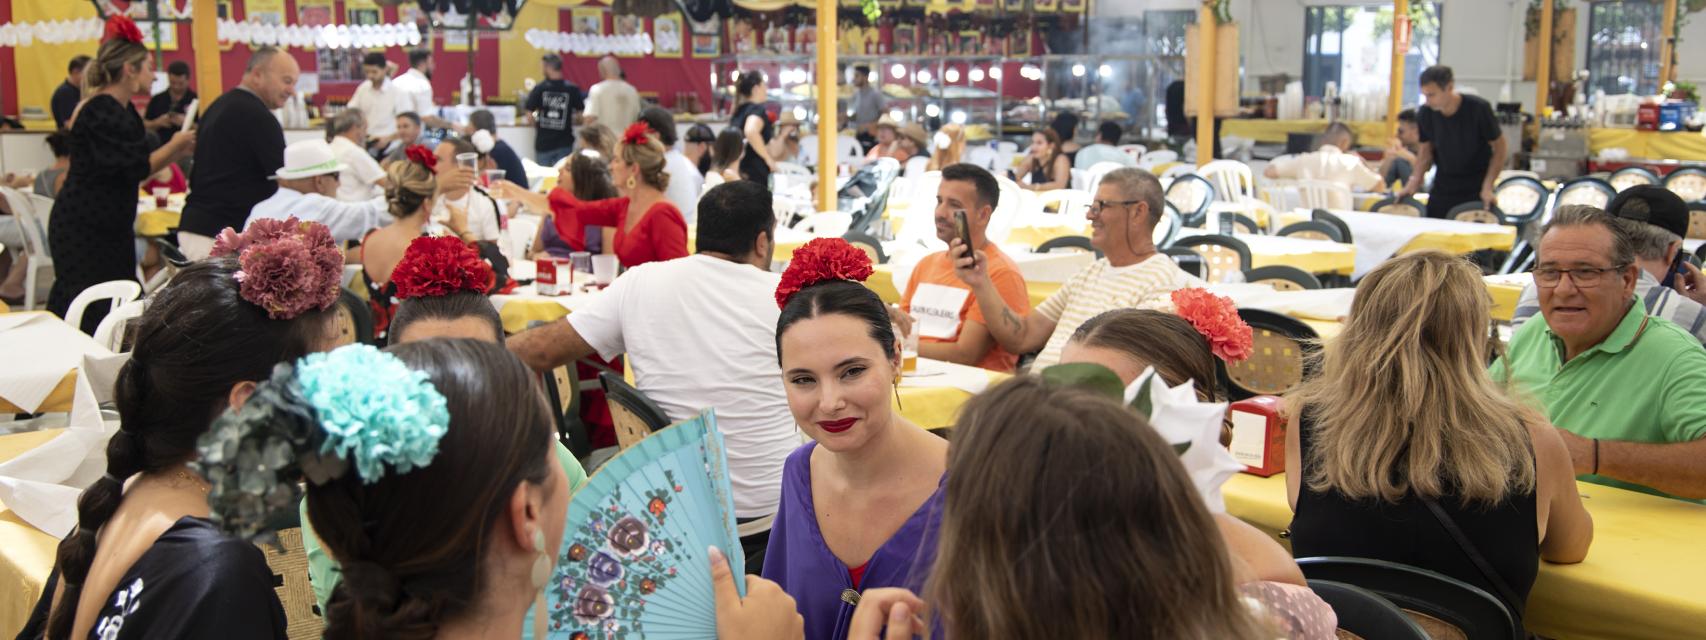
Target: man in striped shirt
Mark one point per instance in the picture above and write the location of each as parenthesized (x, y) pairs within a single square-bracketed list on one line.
[(1131, 274), (1654, 220)]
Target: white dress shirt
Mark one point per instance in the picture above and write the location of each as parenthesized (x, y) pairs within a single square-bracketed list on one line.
[(685, 183), (414, 93), (379, 106), (1328, 163), (346, 220), (360, 178)]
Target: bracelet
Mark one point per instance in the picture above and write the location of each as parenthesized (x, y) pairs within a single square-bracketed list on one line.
[(1596, 456)]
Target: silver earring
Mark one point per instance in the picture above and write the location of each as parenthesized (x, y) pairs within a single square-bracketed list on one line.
[(541, 564)]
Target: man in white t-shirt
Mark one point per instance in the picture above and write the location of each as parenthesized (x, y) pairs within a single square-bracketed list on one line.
[(376, 99), (717, 349), (415, 90), (685, 181), (1131, 274), (1329, 162), (362, 179), (612, 102)]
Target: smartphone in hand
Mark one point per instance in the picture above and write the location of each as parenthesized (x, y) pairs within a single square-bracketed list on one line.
[(963, 227), (1676, 269)]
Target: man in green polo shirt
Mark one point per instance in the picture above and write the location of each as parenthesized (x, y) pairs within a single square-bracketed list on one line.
[(1627, 390)]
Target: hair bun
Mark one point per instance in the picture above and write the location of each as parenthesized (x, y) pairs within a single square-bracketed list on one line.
[(819, 260), (440, 266)]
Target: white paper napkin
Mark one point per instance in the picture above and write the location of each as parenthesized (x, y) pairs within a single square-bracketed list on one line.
[(40, 349), (43, 484), (936, 373)]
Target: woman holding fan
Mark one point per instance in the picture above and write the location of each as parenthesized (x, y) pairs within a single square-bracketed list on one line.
[(860, 504)]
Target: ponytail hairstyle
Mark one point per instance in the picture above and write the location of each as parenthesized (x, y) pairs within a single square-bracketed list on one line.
[(199, 337), (443, 278), (591, 175), (433, 433), (121, 48), (640, 148), (823, 278), (413, 181), (726, 151)]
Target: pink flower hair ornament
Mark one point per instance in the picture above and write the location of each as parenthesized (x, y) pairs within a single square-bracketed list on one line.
[(1216, 318), (288, 267)]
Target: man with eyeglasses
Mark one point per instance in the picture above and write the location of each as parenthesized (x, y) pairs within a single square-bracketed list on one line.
[(307, 186), (1131, 273), (937, 306), (1655, 220), (1626, 389)]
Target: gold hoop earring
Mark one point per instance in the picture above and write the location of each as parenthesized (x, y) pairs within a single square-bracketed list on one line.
[(630, 183)]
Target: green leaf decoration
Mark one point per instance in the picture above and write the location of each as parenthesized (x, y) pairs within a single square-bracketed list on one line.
[(1182, 447), (1093, 377), (1143, 403)]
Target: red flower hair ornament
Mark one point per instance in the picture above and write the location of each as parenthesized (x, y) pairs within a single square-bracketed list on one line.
[(122, 28), (288, 267), (819, 260), (1216, 318), (422, 156), (440, 266), (637, 134)]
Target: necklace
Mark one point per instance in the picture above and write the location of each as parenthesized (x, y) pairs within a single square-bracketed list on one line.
[(182, 478)]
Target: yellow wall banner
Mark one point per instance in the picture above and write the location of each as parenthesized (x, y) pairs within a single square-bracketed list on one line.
[(41, 66)]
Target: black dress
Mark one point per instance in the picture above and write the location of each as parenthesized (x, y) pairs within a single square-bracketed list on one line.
[(195, 582), (1505, 534), (752, 166), (91, 232)]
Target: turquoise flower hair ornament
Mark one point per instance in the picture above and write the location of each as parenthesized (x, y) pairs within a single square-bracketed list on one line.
[(356, 408), (1190, 425)]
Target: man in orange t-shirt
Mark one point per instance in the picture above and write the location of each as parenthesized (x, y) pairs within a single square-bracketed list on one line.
[(937, 305)]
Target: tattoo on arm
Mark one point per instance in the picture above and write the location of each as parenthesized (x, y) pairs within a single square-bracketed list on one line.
[(1013, 322)]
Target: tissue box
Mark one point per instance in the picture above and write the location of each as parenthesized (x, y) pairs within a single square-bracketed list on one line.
[(1258, 435), (554, 277)]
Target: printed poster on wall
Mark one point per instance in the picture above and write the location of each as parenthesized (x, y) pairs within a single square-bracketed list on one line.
[(905, 39), (666, 35), (627, 25), (589, 21), (361, 12), (707, 41), (1072, 6), (264, 11), (314, 13), (167, 34)]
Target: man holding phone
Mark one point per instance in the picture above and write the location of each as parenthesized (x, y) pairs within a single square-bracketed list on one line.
[(1654, 220), (937, 305)]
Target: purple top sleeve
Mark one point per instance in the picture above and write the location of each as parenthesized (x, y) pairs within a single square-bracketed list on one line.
[(799, 561)]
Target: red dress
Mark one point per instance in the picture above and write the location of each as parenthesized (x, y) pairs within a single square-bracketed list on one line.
[(660, 235)]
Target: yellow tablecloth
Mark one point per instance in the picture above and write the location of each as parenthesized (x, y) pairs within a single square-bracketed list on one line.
[(1342, 262), (1641, 579), (26, 553), (936, 407), (517, 314), (1369, 134), (1447, 241), (1505, 295), (1651, 145), (157, 223), (58, 401)]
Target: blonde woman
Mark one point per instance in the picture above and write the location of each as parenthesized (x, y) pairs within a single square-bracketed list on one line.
[(90, 230), (950, 145), (1403, 435), (648, 226), (413, 185)]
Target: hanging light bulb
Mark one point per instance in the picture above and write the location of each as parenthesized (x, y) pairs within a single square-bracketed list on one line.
[(995, 71), (959, 117), (976, 74), (896, 115), (1078, 71), (932, 110), (1105, 71), (951, 76), (734, 76), (800, 114), (898, 71), (924, 76)]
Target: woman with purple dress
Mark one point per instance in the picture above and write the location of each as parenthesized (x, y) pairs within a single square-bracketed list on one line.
[(862, 502)]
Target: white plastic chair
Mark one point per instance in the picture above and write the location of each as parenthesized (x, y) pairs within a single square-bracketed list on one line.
[(1071, 204), (847, 148), (1080, 180), (808, 150), (1093, 177), (32, 219), (118, 292), (1136, 151), (1014, 201), (1158, 157), (985, 157), (792, 169), (1234, 186), (826, 224), (116, 325), (1321, 194)]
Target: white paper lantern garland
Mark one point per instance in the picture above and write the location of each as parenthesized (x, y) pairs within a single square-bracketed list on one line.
[(343, 36), (589, 45), (23, 34)]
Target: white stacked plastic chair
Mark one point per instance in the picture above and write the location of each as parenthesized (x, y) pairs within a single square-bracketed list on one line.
[(1080, 180), (1234, 186), (808, 150), (1322, 194), (983, 156), (1070, 205), (116, 325), (1093, 177), (32, 216), (826, 224), (1014, 201), (118, 292)]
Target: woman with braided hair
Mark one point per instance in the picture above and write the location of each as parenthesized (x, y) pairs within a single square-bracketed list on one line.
[(143, 528)]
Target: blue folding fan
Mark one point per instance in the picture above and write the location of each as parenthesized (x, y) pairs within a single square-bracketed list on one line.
[(633, 562)]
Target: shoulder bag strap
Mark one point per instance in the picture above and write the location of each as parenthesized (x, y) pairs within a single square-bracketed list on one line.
[(1505, 592)]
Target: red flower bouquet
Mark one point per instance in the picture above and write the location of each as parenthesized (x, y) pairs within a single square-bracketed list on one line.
[(1216, 318), (440, 266), (289, 266), (122, 28), (819, 260)]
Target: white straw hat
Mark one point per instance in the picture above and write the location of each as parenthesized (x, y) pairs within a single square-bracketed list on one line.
[(308, 158)]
